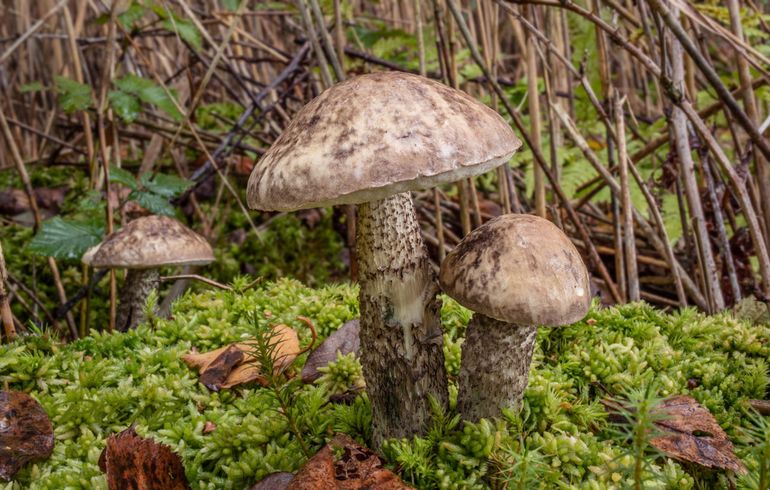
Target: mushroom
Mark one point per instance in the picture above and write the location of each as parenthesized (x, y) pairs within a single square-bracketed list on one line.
[(369, 141), (142, 246), (515, 272)]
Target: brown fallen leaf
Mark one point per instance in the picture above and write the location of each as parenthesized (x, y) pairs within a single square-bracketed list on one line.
[(689, 433), (345, 464), (131, 461), (274, 481), (694, 435), (209, 427), (222, 368), (26, 432), (215, 374), (344, 340)]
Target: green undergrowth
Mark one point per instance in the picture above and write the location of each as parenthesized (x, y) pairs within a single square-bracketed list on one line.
[(561, 439)]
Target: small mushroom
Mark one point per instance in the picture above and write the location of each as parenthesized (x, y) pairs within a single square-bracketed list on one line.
[(515, 272), (369, 141), (143, 246)]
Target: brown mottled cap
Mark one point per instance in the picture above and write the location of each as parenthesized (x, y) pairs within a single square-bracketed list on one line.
[(377, 135), (152, 241), (519, 269)]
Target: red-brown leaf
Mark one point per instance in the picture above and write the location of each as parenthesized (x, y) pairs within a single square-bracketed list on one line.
[(357, 468), (684, 418), (26, 432), (135, 462)]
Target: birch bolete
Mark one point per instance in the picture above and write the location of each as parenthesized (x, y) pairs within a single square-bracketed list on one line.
[(143, 246), (515, 272), (369, 141)]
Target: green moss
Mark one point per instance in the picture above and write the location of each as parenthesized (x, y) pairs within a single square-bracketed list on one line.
[(561, 438)]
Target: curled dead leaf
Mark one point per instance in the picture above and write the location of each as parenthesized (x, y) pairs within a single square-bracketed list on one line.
[(131, 461), (693, 434), (343, 340), (689, 433), (26, 432), (234, 364), (274, 481), (345, 464)]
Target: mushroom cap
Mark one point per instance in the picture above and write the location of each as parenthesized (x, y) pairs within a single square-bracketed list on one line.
[(152, 241), (377, 135), (518, 269)]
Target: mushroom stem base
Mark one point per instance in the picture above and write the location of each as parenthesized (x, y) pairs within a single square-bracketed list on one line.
[(495, 366), (401, 336), (138, 286)]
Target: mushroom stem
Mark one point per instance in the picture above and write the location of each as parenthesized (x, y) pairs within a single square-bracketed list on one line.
[(401, 337), (137, 287), (495, 366)]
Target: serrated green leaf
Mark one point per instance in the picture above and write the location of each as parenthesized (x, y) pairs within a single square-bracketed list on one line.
[(165, 185), (32, 87), (125, 105), (132, 15), (73, 95), (64, 239), (186, 30), (157, 96), (122, 176), (153, 202), (147, 91)]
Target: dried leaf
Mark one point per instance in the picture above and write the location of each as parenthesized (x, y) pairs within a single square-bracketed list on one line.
[(131, 461), (26, 433), (694, 435), (209, 427), (274, 481), (344, 340), (345, 464), (223, 368), (215, 373), (199, 360)]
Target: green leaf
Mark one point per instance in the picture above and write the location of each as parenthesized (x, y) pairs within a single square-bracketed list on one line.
[(32, 87), (125, 105), (186, 30), (132, 15), (147, 91), (165, 185), (73, 96), (65, 239), (231, 5), (124, 177), (153, 202)]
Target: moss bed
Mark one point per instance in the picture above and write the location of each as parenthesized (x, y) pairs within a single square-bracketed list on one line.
[(561, 439)]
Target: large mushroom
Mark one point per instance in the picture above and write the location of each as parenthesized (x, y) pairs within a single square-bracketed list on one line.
[(143, 246), (369, 141), (515, 272)]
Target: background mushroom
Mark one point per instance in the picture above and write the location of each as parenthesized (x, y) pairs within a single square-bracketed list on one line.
[(142, 246), (515, 272), (368, 141)]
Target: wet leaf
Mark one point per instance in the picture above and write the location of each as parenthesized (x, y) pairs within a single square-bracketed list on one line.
[(131, 461), (694, 435), (26, 433), (344, 340), (345, 464)]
